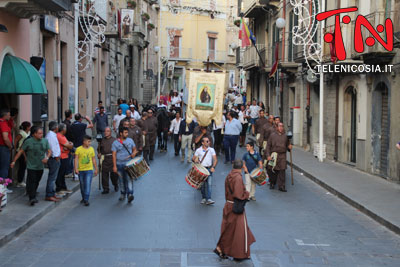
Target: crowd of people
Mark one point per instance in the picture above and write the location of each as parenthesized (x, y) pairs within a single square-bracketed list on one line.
[(67, 150)]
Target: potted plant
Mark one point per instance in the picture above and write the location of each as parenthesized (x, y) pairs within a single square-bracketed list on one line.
[(131, 4), (237, 22), (150, 26), (3, 191), (145, 16)]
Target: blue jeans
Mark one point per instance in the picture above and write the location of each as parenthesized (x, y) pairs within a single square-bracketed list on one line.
[(206, 187), (70, 168), (85, 180), (54, 166), (4, 161), (230, 143), (125, 182)]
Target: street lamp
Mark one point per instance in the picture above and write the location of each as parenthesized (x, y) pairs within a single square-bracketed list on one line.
[(157, 50), (280, 23)]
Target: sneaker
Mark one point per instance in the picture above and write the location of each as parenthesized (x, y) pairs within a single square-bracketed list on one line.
[(130, 198), (253, 198), (86, 203), (66, 191), (203, 201), (60, 195), (70, 175), (8, 191), (32, 202), (122, 197), (21, 184), (210, 202)]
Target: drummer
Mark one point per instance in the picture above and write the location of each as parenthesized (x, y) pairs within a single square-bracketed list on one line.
[(206, 156), (251, 160), (123, 150)]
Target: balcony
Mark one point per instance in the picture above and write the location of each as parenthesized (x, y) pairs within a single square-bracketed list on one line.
[(256, 8), (251, 58), (177, 53), (215, 56), (376, 54), (29, 8)]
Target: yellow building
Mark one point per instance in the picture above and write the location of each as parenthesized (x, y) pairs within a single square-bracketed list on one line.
[(192, 32)]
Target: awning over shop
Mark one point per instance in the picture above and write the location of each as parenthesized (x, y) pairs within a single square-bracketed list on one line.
[(19, 77)]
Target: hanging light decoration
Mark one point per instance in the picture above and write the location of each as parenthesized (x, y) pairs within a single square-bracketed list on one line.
[(307, 28), (93, 29)]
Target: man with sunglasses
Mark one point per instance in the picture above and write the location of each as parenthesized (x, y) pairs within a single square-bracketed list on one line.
[(206, 156)]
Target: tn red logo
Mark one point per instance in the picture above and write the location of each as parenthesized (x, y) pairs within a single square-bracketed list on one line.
[(337, 38)]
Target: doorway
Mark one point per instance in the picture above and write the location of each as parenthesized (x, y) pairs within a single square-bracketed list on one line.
[(380, 129), (350, 125)]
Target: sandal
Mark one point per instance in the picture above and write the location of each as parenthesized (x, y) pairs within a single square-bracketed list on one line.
[(220, 254)]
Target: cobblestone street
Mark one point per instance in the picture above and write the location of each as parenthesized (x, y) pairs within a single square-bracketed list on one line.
[(167, 226)]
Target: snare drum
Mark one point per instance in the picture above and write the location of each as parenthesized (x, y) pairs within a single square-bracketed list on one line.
[(259, 176), (136, 168), (197, 175)]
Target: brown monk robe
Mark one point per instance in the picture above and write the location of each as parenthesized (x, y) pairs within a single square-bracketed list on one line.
[(107, 164), (266, 131), (236, 236), (200, 132), (135, 133), (150, 127), (279, 143)]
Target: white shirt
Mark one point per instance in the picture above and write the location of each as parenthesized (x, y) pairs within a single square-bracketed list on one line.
[(239, 99), (221, 125), (254, 110), (118, 119), (208, 160), (54, 145), (175, 126), (136, 115), (175, 100), (242, 114)]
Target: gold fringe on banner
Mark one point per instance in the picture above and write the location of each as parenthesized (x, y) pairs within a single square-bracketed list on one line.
[(206, 97)]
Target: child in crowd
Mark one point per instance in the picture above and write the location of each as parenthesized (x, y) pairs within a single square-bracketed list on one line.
[(84, 163)]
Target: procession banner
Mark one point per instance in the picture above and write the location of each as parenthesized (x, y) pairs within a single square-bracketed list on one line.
[(206, 97)]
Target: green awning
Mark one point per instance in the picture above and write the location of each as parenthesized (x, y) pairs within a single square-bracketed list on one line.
[(21, 78)]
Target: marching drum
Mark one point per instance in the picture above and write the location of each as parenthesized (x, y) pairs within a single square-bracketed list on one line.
[(197, 175), (259, 176), (136, 168)]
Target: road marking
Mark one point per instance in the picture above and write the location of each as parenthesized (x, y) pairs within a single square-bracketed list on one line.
[(300, 242)]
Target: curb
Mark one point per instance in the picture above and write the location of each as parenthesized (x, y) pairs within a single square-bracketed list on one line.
[(15, 233), (348, 200)]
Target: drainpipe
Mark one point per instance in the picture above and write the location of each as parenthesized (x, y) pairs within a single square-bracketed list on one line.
[(76, 17), (337, 114), (308, 115), (321, 94)]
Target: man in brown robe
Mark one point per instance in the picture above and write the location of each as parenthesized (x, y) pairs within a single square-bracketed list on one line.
[(135, 133), (260, 123), (200, 132), (105, 156), (279, 143), (150, 127), (236, 236)]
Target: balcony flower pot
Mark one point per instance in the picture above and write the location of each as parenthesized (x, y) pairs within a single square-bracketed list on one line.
[(145, 16), (131, 4), (237, 22), (150, 26)]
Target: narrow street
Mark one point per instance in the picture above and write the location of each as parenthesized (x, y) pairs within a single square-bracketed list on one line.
[(167, 226)]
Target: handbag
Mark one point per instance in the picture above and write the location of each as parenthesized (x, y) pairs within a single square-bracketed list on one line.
[(238, 204)]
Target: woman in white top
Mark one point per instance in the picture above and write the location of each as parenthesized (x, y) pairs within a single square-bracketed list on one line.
[(243, 118), (19, 140)]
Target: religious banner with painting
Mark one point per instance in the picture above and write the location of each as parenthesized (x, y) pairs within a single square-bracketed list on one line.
[(206, 95)]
